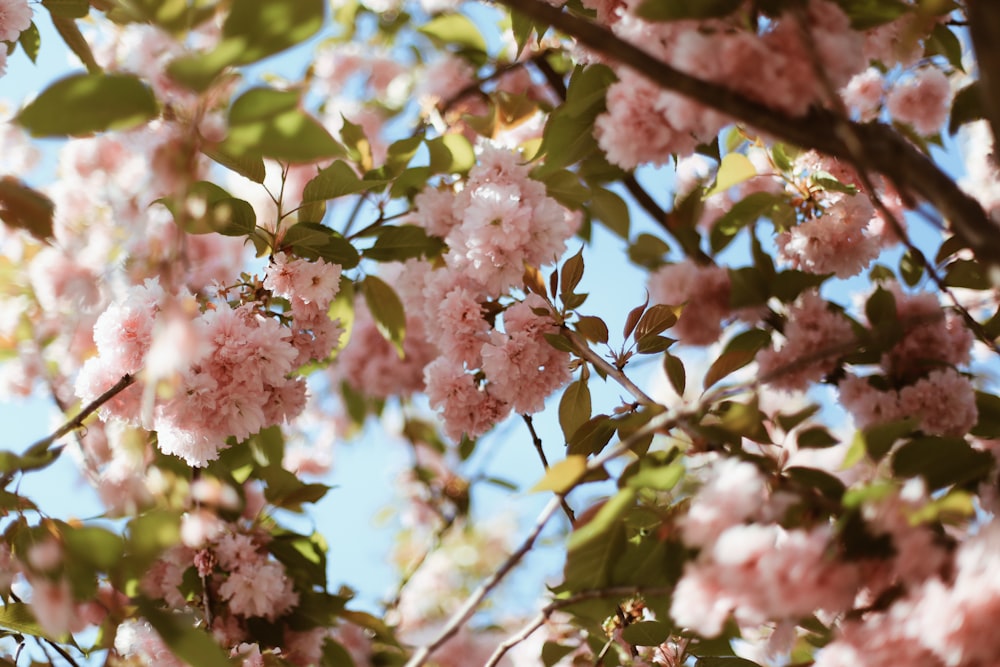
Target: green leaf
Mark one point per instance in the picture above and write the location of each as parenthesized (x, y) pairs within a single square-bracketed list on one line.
[(655, 320), (268, 122), (568, 134), (647, 633), (250, 166), (24, 208), (740, 351), (594, 546), (788, 422), (96, 547), (217, 212), (745, 212), (674, 369), (941, 461), (988, 422), (648, 251), (254, 30), (879, 439), (563, 476), (188, 642), (82, 104), (816, 437), (966, 107), (611, 210), (386, 309), (565, 187), (967, 273), (676, 10), (451, 154), (76, 42), (312, 240), (150, 533), (30, 41), (654, 476), (337, 180), (865, 14), (70, 9), (592, 436), (17, 617), (945, 42), (574, 408), (402, 242), (454, 30), (593, 329), (733, 170), (822, 481)]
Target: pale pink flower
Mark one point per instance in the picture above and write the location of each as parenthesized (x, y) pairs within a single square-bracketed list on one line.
[(137, 638), (922, 100), (813, 335), (836, 242), (735, 491), (304, 648), (931, 337), (297, 279), (703, 291), (863, 94), (53, 605), (163, 579), (15, 17), (944, 403), (433, 209), (200, 527), (249, 654), (373, 366), (260, 589), (45, 555), (465, 407)]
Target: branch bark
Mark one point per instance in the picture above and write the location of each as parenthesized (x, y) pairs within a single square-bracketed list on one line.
[(984, 28), (913, 174)]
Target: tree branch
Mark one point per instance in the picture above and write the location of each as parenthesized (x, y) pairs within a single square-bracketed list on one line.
[(567, 510), (984, 28), (914, 174), (584, 352)]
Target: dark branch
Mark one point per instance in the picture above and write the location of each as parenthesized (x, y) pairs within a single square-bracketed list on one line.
[(984, 28), (913, 173)]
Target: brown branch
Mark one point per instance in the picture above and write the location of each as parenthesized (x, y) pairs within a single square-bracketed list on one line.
[(76, 422), (468, 608), (547, 611), (537, 441), (984, 29), (914, 174), (583, 350)]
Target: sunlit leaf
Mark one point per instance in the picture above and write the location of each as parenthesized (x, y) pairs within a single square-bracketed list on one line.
[(26, 208), (82, 104), (386, 309), (562, 476)]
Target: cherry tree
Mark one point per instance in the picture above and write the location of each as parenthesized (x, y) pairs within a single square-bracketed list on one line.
[(785, 453)]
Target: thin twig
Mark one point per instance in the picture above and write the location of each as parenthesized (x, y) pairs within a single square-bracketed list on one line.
[(76, 422), (567, 510), (547, 611), (583, 350), (465, 612)]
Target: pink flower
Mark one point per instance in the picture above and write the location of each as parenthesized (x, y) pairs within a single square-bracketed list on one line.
[(465, 407), (53, 605), (259, 589), (309, 282), (813, 335), (922, 101), (836, 242), (15, 17), (735, 491), (863, 94), (944, 403), (931, 337), (703, 291)]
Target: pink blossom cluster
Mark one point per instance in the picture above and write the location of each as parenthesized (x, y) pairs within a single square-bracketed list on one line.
[(943, 622), (760, 572), (774, 66), (920, 380), (519, 369), (242, 582), (815, 335), (504, 220), (923, 100), (703, 292), (233, 380), (15, 17), (838, 241)]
